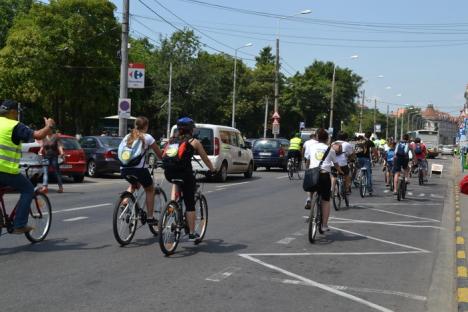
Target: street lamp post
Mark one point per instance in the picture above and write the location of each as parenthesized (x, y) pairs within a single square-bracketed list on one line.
[(303, 12), (332, 98), (233, 122)]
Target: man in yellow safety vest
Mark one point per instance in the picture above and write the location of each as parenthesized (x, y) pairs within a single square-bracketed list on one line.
[(295, 149), (12, 133)]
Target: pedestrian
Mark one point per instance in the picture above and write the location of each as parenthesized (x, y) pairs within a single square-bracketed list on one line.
[(51, 150)]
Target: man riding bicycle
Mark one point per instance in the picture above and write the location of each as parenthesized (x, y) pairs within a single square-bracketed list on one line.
[(420, 152), (295, 149), (177, 159), (401, 161), (12, 133), (363, 149), (343, 157)]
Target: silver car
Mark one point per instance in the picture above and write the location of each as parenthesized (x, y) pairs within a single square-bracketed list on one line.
[(447, 150)]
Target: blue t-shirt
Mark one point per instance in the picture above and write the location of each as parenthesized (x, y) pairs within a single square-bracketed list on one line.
[(390, 155), (21, 133)]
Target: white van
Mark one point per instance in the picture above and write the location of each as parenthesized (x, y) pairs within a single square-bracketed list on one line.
[(225, 148)]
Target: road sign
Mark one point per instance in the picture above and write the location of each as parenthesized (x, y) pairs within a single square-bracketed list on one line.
[(136, 76), (276, 128), (125, 108), (378, 128)]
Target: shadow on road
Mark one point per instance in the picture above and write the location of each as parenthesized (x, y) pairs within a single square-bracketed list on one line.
[(337, 236), (214, 246), (58, 244)]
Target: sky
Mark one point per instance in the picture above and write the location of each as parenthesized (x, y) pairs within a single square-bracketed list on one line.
[(409, 52)]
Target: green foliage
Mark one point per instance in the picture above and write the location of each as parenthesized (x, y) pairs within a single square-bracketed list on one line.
[(9, 9)]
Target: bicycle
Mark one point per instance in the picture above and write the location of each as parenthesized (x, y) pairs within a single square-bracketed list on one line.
[(401, 187), (40, 213), (315, 217), (339, 192), (129, 209), (362, 178), (173, 221), (421, 172), (293, 167)]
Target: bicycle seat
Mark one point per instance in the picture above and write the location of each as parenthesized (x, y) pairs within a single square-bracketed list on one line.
[(177, 181)]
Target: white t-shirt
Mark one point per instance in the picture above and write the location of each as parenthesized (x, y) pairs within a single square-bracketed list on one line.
[(307, 145), (317, 151), (348, 150), (149, 140)]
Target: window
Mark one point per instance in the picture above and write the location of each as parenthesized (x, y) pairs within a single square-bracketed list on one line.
[(110, 142), (70, 144), (205, 136), (233, 139), (225, 137)]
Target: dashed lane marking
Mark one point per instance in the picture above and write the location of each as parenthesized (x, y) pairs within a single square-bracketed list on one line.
[(286, 240), (404, 215), (217, 277), (82, 208), (282, 177), (232, 184), (410, 193), (75, 219)]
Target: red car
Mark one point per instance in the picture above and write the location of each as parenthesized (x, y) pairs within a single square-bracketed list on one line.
[(74, 162)]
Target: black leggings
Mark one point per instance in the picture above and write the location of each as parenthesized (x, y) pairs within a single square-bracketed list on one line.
[(188, 188)]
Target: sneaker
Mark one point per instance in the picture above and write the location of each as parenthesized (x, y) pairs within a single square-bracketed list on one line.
[(325, 228), (22, 230), (60, 190), (307, 205), (395, 193), (193, 237)]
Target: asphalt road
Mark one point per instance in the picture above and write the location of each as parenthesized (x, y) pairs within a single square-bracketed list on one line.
[(379, 256)]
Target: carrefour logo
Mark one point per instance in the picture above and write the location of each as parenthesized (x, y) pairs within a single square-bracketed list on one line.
[(136, 74)]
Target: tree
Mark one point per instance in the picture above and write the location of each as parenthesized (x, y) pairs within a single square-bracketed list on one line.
[(9, 9)]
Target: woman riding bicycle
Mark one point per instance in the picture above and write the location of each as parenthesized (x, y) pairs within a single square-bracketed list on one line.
[(140, 170), (177, 159)]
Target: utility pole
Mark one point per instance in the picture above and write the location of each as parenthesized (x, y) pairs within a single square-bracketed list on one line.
[(330, 124), (360, 114), (169, 102), (401, 130), (276, 77), (396, 126), (123, 94), (266, 117), (375, 110), (233, 122), (386, 127)]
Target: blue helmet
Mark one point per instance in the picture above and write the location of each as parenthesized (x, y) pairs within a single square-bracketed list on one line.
[(185, 123)]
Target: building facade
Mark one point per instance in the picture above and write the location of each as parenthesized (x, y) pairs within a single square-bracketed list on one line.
[(446, 124)]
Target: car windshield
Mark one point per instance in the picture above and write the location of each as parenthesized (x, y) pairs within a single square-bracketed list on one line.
[(266, 144), (70, 144), (110, 141), (205, 136)]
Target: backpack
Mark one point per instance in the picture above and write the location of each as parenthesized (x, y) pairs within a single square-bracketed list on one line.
[(402, 150), (176, 155), (130, 156), (418, 149), (361, 147), (390, 155)]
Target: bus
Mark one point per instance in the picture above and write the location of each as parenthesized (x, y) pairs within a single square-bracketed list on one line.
[(430, 138)]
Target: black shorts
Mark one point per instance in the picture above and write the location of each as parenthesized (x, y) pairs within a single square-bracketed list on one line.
[(188, 187), (296, 154), (399, 163), (142, 174), (345, 170), (324, 186)]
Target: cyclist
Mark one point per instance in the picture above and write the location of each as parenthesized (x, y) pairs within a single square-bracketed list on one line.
[(12, 133), (390, 154), (295, 148), (346, 155), (140, 170), (306, 148), (317, 151), (420, 152), (401, 161), (184, 145), (363, 150)]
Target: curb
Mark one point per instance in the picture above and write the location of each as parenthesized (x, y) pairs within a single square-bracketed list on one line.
[(460, 253)]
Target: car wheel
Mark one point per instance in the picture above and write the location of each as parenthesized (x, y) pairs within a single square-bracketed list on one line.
[(222, 174), (78, 178), (92, 172), (248, 174), (255, 168)]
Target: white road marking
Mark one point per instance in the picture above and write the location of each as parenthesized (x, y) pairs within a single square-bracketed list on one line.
[(232, 184), (208, 192), (405, 215), (410, 193), (75, 219), (300, 233), (360, 289), (436, 196), (386, 191), (366, 253), (422, 195), (318, 285), (217, 277), (82, 208), (286, 240), (381, 240), (282, 177), (397, 204), (390, 223)]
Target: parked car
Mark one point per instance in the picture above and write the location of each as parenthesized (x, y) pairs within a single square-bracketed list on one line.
[(31, 158), (74, 161), (447, 150), (270, 153), (101, 154), (225, 148)]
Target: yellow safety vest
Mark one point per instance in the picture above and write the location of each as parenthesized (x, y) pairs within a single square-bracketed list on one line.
[(295, 144), (10, 153)]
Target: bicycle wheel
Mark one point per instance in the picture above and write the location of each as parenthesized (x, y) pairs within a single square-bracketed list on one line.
[(399, 191), (125, 219), (336, 196), (363, 185), (403, 189), (201, 216), (168, 227), (421, 177), (40, 217), (314, 219), (343, 194), (290, 169), (160, 200)]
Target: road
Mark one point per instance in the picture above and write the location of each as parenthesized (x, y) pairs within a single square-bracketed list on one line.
[(379, 256)]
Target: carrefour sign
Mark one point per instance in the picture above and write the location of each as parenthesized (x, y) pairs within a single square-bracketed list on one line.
[(136, 75)]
